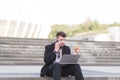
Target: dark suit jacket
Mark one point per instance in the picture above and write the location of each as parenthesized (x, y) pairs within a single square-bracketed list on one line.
[(49, 56)]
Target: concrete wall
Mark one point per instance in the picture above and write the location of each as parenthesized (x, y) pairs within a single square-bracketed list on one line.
[(112, 35), (9, 28)]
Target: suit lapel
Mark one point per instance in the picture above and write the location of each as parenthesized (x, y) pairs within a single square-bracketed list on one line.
[(63, 50), (52, 46)]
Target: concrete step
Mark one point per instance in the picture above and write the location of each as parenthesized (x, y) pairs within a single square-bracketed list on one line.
[(41, 58), (23, 39), (33, 72), (49, 41), (24, 42), (109, 54), (21, 46), (21, 55), (88, 63), (99, 63), (12, 59), (38, 55), (21, 63), (107, 57), (99, 52), (22, 52), (107, 60), (86, 78), (20, 59), (42, 49), (16, 38), (45, 41), (91, 44), (42, 46), (110, 43), (41, 54), (36, 39)]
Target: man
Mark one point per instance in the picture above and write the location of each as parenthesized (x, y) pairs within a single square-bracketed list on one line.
[(52, 56)]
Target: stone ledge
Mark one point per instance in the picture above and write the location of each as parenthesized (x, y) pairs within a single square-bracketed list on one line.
[(86, 78)]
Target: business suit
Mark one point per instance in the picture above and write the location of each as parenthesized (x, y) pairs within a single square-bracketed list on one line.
[(57, 70)]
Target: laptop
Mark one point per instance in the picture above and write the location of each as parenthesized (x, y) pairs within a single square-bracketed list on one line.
[(69, 59)]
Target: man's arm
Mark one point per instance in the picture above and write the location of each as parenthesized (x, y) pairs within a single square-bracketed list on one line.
[(67, 50), (49, 56)]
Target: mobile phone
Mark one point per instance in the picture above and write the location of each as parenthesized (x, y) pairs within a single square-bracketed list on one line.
[(58, 42)]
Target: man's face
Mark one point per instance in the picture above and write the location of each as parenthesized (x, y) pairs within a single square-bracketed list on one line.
[(61, 40)]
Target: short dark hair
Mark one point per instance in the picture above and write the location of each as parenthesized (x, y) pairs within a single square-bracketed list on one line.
[(61, 33)]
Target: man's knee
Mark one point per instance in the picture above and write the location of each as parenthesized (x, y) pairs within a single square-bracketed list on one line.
[(76, 66), (57, 65)]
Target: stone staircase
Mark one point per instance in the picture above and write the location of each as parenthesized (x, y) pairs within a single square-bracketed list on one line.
[(24, 51), (22, 58), (94, 78)]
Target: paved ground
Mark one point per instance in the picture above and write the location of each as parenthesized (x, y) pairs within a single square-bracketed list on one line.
[(34, 71)]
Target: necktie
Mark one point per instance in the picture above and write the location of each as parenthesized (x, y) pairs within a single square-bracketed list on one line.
[(59, 52)]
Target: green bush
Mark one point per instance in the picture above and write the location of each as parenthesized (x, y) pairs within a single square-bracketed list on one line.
[(87, 26)]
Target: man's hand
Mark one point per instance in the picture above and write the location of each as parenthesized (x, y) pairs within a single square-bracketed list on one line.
[(57, 46), (76, 50)]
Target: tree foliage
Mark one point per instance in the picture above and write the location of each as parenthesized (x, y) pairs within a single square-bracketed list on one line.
[(87, 26)]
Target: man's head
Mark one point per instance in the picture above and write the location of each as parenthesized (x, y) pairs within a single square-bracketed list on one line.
[(60, 37)]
